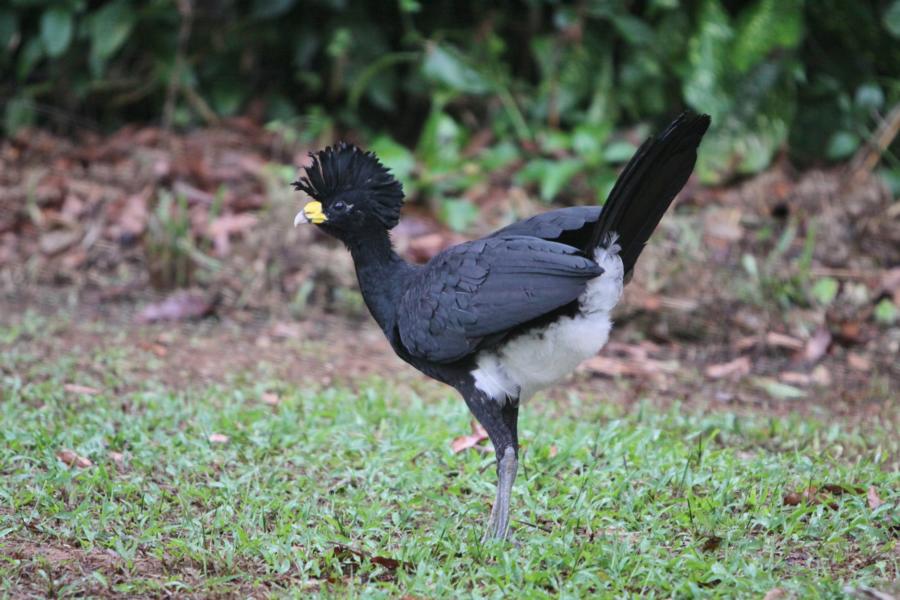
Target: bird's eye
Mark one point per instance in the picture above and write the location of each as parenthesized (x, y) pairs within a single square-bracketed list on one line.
[(339, 206)]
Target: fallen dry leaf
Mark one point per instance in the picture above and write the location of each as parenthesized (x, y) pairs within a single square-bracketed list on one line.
[(814, 495), (858, 362), (821, 376), (553, 451), (613, 367), (650, 302), (75, 388), (73, 259), (777, 389), (287, 331), (653, 367), (423, 248), (723, 224), (221, 230), (192, 194), (179, 306), (388, 563), (641, 298), (271, 398), (73, 459), (129, 216), (685, 305), (72, 208), (851, 332), (218, 438), (795, 378), (736, 368), (775, 594), (712, 542), (54, 242), (630, 367), (351, 556), (746, 342), (118, 458), (640, 351), (890, 284), (792, 499), (781, 340), (808, 495), (817, 345), (410, 227), (837, 490), (464, 442), (159, 350), (872, 497)]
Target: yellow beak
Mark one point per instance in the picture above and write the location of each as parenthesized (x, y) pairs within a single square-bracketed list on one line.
[(311, 213)]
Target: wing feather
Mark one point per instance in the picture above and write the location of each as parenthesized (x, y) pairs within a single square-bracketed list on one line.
[(570, 226), (486, 287)]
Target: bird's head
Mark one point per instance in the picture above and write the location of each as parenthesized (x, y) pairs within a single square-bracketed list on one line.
[(351, 193)]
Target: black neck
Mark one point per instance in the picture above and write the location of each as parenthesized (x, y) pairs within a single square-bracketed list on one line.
[(381, 274)]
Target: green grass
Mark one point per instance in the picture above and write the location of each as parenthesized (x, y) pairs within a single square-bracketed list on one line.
[(609, 502)]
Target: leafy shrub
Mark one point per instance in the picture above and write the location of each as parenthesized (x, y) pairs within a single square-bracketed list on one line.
[(551, 78)]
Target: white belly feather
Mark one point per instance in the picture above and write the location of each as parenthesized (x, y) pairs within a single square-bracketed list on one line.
[(536, 360)]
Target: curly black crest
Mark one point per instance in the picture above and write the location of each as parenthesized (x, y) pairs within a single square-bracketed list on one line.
[(344, 168)]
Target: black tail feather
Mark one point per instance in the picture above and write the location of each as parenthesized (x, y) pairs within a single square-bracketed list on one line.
[(647, 186)]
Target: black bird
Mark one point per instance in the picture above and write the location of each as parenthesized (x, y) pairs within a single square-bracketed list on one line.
[(504, 316)]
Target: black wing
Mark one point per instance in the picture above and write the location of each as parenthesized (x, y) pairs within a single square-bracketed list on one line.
[(572, 226), (486, 287)]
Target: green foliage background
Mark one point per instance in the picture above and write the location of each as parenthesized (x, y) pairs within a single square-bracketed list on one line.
[(548, 79)]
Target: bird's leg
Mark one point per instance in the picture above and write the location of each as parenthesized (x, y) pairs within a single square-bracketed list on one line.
[(498, 524), (500, 422)]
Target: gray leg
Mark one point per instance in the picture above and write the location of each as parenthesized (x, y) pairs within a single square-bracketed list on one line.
[(499, 419), (498, 524)]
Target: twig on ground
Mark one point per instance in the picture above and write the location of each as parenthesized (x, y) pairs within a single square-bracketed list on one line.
[(869, 155), (534, 525)]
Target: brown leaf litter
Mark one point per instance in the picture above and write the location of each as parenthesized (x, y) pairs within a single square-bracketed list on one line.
[(821, 495), (73, 459), (178, 306), (352, 559)]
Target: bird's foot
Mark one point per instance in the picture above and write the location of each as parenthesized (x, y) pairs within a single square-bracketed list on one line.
[(498, 524)]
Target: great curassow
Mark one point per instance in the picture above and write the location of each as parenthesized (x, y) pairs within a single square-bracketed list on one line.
[(504, 316)]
